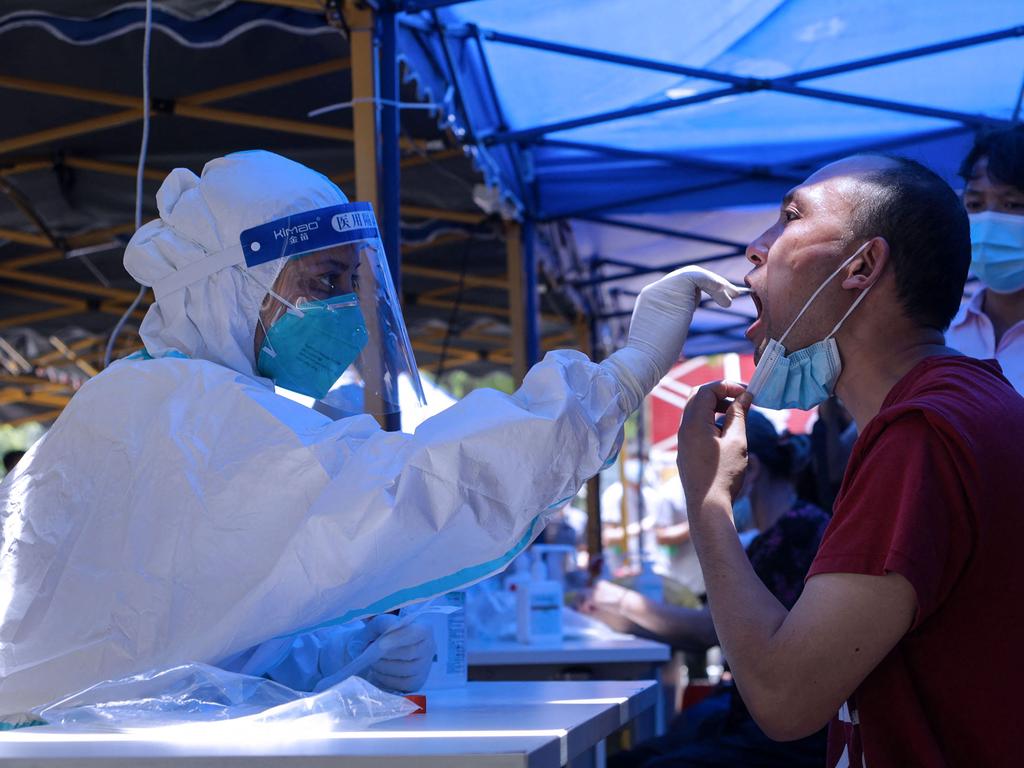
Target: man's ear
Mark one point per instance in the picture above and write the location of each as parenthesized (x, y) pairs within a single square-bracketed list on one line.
[(865, 270)]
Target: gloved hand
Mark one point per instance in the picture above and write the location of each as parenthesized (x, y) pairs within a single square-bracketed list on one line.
[(408, 652), (658, 328)]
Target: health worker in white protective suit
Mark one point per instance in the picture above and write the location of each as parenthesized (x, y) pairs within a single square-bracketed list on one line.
[(180, 510)]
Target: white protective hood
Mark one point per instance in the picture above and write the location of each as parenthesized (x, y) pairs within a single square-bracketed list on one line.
[(215, 318)]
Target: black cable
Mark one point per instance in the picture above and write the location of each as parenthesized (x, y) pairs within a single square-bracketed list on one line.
[(455, 308)]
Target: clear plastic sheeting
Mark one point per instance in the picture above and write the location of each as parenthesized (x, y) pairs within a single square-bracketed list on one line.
[(191, 695)]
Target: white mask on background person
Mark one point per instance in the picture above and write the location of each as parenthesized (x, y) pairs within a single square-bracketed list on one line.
[(997, 250)]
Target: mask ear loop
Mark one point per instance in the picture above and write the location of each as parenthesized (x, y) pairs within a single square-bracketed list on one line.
[(266, 338), (849, 312), (290, 307), (821, 288)]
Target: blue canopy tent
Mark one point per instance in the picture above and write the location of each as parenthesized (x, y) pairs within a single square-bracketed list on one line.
[(637, 120)]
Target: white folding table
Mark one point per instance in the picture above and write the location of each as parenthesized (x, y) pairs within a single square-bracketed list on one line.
[(485, 725), (613, 658)]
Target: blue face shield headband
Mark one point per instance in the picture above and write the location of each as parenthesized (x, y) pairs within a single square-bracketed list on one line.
[(804, 378)]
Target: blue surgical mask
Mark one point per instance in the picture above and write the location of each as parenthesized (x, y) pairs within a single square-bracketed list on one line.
[(808, 376), (308, 348), (997, 250)]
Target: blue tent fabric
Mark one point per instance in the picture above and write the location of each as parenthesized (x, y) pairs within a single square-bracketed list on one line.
[(738, 148), (638, 118)]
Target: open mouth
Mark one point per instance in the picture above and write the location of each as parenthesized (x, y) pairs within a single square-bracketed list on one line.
[(755, 327)]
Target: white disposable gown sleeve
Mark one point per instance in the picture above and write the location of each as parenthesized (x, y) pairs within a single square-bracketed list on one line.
[(181, 511)]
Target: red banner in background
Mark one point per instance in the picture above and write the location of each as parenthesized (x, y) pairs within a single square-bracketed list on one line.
[(665, 404)]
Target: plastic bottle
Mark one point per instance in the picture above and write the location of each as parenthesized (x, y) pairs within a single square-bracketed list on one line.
[(539, 604)]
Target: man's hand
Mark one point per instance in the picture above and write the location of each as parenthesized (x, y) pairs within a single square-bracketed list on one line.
[(711, 460)]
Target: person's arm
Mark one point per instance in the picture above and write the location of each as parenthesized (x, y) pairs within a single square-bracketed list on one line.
[(794, 669), (626, 610), (613, 535), (672, 535)]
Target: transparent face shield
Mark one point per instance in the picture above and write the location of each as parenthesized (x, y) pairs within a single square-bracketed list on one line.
[(331, 327)]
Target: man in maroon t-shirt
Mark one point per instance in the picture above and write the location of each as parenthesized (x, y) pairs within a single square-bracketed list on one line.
[(908, 634)]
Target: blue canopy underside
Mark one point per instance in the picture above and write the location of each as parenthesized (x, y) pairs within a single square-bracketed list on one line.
[(649, 147), (509, 87)]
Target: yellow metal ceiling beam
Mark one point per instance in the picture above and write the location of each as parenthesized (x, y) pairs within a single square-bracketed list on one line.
[(183, 106), (73, 357), (447, 239), (463, 217), (82, 240), (31, 381), (43, 416), (25, 238), (568, 338), (284, 125), (27, 293), (38, 317), (475, 336), (26, 166), (12, 395), (77, 346), (256, 85), (498, 283), (117, 309), (75, 286), (454, 353), (516, 298), (409, 162), (70, 130), (477, 309), (301, 5), (118, 169), (70, 92)]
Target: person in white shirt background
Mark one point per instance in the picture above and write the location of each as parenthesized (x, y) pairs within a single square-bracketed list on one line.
[(991, 323), (621, 544), (672, 533)]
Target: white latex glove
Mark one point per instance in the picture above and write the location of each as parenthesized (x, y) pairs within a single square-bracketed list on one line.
[(408, 652), (658, 328)]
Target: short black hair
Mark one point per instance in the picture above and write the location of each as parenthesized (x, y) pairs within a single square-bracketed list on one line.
[(1004, 149), (929, 237)]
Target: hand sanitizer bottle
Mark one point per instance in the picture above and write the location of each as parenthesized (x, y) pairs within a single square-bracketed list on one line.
[(539, 607)]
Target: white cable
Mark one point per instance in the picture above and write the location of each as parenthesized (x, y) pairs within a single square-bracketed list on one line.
[(139, 172), (371, 100)]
